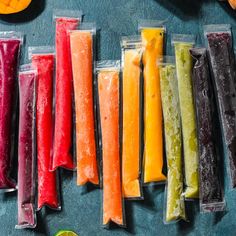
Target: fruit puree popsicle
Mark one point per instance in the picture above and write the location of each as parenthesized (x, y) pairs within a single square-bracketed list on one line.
[(108, 90), (211, 196), (153, 144), (184, 72), (82, 64), (26, 149), (47, 180), (131, 148), (224, 75), (9, 55), (175, 208), (62, 153)]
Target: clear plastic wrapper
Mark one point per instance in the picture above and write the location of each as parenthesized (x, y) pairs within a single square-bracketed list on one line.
[(152, 34), (62, 143), (43, 59), (211, 195), (131, 116), (27, 148), (10, 44), (184, 64), (220, 47), (108, 82), (175, 207), (82, 43)]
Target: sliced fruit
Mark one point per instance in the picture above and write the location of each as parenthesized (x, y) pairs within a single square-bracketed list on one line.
[(13, 6)]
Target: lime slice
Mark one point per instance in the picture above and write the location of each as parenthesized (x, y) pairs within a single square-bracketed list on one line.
[(66, 233)]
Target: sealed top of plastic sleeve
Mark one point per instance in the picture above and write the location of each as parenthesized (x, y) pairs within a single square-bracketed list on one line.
[(183, 38), (217, 28), (40, 50), (27, 68), (129, 42), (151, 24), (166, 60), (88, 26), (12, 35), (108, 65), (60, 13)]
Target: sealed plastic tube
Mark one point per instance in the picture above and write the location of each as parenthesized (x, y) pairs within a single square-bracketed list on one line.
[(175, 207), (220, 46), (211, 195), (10, 43), (82, 44), (108, 94), (26, 148), (153, 39), (184, 63), (43, 61), (62, 145), (131, 116)]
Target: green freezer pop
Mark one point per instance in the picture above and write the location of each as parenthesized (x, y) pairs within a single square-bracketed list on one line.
[(184, 72), (175, 208)]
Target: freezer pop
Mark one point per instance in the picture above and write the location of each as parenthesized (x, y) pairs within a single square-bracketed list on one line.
[(153, 139), (211, 195), (47, 180), (26, 150), (62, 153), (224, 74), (131, 146), (184, 72), (108, 90), (175, 207), (9, 58), (82, 65)]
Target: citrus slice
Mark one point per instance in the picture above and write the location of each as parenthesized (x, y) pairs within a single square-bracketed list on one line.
[(66, 233), (13, 6)]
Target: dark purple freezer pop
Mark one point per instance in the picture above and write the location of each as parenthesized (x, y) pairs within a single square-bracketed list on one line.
[(211, 196), (9, 54), (26, 150), (224, 76)]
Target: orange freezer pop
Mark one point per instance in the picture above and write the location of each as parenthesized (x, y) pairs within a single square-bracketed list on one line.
[(108, 89), (152, 39), (131, 123), (82, 65)]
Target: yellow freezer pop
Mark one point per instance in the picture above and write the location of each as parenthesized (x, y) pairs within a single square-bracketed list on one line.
[(152, 39)]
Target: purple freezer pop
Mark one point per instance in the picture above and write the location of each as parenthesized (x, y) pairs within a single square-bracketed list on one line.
[(9, 54), (26, 151), (224, 77)]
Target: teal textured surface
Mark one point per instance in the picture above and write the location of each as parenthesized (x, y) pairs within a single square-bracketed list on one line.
[(81, 209)]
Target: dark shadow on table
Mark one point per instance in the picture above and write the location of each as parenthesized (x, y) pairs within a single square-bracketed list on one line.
[(35, 8), (185, 227), (184, 9), (228, 9)]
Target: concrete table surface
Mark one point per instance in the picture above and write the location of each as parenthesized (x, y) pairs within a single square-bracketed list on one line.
[(81, 209)]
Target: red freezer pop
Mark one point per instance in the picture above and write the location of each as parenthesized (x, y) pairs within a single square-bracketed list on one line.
[(47, 182), (62, 145)]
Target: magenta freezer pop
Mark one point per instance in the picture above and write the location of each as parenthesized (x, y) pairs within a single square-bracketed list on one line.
[(26, 150)]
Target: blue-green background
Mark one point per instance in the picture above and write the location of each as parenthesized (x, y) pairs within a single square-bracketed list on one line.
[(81, 210)]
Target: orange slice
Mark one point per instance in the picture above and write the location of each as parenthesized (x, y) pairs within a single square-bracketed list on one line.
[(13, 6)]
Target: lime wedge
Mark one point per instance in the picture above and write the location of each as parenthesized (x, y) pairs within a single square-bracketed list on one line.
[(66, 233)]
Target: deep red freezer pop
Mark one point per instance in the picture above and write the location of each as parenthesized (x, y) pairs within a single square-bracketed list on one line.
[(9, 54)]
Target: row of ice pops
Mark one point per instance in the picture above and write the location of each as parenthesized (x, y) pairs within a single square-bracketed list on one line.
[(151, 39), (158, 88)]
